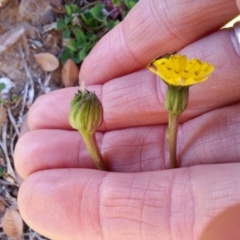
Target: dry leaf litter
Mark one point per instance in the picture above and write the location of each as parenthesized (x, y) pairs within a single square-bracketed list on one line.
[(29, 52)]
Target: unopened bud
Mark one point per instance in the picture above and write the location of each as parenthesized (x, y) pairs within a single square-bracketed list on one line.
[(86, 112)]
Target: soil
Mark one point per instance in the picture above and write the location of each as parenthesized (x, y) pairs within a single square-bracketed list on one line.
[(17, 64), (27, 27), (33, 16)]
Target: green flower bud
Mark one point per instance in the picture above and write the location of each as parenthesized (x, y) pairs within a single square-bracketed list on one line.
[(86, 112)]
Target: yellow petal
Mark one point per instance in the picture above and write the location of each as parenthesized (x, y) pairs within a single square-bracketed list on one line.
[(178, 71)]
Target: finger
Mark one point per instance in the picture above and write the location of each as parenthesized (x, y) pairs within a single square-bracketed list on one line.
[(88, 204), (238, 4), (24, 127), (138, 99), (51, 149), (212, 138), (152, 29)]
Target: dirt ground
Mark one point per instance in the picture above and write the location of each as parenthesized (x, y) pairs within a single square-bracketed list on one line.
[(28, 28), (25, 29), (32, 16)]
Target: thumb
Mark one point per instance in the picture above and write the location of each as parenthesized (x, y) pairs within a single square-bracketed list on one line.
[(88, 204), (151, 29)]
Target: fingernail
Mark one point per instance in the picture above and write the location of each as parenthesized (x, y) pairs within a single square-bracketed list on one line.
[(235, 37)]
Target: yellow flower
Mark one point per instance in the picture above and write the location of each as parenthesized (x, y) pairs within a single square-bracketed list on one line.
[(178, 71)]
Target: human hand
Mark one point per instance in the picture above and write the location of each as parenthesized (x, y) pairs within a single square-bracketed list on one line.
[(63, 197)]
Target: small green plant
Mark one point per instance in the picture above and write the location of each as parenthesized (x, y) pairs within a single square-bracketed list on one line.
[(15, 97), (82, 27), (2, 171), (2, 86), (128, 3)]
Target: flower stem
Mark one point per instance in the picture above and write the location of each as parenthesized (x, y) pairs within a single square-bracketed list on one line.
[(93, 149), (172, 138)]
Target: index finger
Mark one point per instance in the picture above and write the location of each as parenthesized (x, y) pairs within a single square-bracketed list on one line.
[(151, 29)]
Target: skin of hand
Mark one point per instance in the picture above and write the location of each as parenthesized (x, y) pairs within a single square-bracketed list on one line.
[(64, 197)]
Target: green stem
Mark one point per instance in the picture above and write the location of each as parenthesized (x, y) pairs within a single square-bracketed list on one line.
[(93, 149), (172, 139), (176, 102)]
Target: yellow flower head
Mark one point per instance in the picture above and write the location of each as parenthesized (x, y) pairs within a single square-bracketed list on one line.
[(178, 71)]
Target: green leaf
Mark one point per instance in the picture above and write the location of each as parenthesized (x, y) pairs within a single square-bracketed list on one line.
[(67, 54), (67, 20), (84, 17), (75, 28), (77, 59), (117, 3), (2, 86), (15, 97), (80, 36), (91, 36), (130, 3), (3, 101), (111, 24), (72, 44), (83, 53), (2, 171), (61, 24), (97, 12), (89, 20), (68, 10), (74, 8), (66, 33)]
